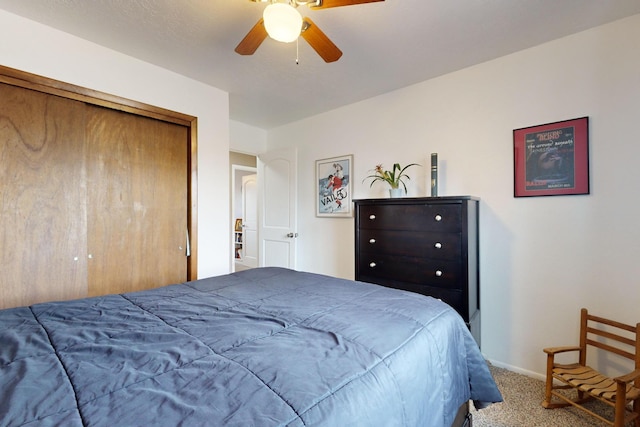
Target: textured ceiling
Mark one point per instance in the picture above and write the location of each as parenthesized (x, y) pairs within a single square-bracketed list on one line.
[(386, 45)]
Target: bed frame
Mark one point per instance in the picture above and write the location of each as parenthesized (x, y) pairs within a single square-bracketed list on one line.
[(463, 417)]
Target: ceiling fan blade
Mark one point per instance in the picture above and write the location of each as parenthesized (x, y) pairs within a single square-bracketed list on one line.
[(253, 39), (336, 3), (320, 42)]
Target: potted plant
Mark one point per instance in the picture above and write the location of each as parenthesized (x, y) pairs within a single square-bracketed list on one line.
[(394, 177)]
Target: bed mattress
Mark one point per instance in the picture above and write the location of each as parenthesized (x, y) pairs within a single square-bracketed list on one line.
[(262, 347)]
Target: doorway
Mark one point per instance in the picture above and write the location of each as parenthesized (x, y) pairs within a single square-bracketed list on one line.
[(244, 211), (276, 202)]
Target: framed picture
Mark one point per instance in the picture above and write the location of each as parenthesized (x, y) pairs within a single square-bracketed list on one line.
[(334, 186), (238, 225), (552, 159)]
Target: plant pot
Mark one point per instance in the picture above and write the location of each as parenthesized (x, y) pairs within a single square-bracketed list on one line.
[(396, 193)]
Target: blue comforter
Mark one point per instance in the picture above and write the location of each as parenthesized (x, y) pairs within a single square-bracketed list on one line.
[(264, 347)]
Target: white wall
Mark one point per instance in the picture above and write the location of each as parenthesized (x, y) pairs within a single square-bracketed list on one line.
[(247, 139), (41, 50), (542, 258)]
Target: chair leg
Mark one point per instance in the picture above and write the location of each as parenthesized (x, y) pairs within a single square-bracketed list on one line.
[(549, 383), (621, 404), (618, 420), (548, 390)]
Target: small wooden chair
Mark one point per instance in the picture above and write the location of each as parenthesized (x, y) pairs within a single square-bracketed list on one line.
[(622, 393)]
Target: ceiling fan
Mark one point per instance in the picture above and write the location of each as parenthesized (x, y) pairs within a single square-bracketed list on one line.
[(281, 21)]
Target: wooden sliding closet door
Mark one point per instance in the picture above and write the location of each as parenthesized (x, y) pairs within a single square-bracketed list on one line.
[(96, 192), (42, 198), (137, 201)]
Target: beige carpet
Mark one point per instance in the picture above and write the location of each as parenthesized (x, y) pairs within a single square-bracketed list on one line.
[(521, 407)]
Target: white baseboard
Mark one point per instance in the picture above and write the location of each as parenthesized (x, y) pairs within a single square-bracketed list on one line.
[(517, 370)]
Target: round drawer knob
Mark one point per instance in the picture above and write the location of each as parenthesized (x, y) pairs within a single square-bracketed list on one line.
[(372, 240), (438, 273), (372, 217), (438, 217), (438, 245), (372, 264)]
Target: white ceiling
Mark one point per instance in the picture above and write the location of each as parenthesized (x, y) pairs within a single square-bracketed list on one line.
[(386, 45)]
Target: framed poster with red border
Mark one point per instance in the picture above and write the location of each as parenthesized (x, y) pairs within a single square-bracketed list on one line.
[(551, 159)]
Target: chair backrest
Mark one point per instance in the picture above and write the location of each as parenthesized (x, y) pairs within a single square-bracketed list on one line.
[(609, 335)]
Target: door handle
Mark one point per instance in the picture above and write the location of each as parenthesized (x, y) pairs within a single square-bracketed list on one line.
[(292, 235)]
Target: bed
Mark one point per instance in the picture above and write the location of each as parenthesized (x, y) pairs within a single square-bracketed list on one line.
[(262, 347)]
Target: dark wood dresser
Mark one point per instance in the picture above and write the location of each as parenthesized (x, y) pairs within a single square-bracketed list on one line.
[(427, 245)]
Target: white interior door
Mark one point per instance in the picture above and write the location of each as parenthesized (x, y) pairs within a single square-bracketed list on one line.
[(277, 206), (250, 220)]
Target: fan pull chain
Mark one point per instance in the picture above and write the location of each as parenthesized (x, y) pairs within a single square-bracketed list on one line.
[(297, 51)]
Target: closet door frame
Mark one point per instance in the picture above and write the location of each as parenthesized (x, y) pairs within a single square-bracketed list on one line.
[(46, 85)]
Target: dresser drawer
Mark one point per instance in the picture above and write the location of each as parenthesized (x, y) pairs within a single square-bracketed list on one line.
[(418, 217), (418, 244), (452, 297), (440, 273)]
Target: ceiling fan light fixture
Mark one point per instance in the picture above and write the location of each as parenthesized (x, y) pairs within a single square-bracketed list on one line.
[(282, 22)]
